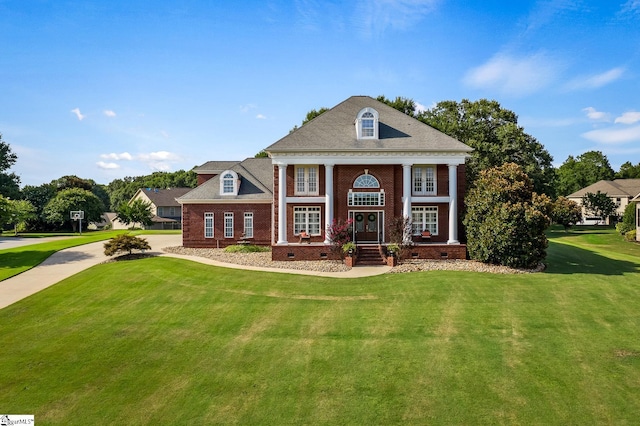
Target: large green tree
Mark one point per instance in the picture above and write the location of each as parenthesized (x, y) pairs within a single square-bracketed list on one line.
[(582, 171), (138, 211), (9, 182), (58, 209), (628, 171), (505, 220), (494, 134)]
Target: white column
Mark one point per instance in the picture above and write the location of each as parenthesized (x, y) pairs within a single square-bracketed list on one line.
[(282, 204), (406, 190), (328, 201), (453, 204)]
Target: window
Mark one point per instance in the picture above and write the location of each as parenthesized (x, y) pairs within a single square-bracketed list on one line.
[(424, 219), (229, 183), (248, 225), (424, 180), (208, 225), (367, 124), (306, 219), (228, 225), (160, 211), (366, 181), (306, 180), (365, 198)]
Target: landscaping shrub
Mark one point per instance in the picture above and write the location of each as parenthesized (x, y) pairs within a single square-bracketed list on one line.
[(125, 243), (245, 248), (628, 222), (505, 219), (630, 236)]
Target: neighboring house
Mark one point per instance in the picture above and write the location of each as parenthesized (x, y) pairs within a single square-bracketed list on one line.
[(361, 160), (621, 191), (167, 213)]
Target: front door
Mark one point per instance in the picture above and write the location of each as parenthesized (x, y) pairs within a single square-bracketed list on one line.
[(367, 227)]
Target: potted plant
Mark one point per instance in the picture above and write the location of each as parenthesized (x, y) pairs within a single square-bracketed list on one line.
[(349, 248), (393, 249)]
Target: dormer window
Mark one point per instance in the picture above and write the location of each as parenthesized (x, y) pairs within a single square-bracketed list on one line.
[(367, 124), (229, 183)]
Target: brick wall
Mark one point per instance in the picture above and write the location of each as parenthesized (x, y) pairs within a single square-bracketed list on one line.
[(193, 224)]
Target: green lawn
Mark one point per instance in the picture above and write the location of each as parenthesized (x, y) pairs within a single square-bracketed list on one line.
[(161, 340), (17, 260)]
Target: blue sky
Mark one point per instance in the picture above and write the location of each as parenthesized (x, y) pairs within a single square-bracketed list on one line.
[(107, 89)]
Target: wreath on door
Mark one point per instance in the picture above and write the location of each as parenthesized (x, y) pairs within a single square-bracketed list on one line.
[(372, 217), (359, 217)]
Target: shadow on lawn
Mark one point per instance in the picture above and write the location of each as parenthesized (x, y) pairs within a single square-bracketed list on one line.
[(567, 259)]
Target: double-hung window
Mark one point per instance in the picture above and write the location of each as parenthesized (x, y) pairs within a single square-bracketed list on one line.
[(424, 180), (228, 225), (208, 225), (248, 225), (306, 180), (306, 219), (424, 219)]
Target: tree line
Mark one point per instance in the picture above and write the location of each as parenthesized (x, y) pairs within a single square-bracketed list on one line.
[(47, 207)]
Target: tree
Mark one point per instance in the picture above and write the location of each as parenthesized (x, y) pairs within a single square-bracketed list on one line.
[(504, 223), (16, 213), (566, 212), (628, 222), (38, 196), (405, 105), (598, 204), (496, 138), (628, 171), (57, 210), (9, 182), (137, 211), (582, 171), (125, 243)]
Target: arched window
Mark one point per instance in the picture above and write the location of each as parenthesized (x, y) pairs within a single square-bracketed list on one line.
[(366, 181), (229, 183), (367, 124)]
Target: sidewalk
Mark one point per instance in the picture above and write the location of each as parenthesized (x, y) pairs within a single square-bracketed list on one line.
[(68, 262)]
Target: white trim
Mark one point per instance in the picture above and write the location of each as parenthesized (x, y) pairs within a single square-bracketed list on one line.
[(213, 224), (417, 200), (368, 157), (235, 182), (374, 116), (225, 201), (228, 215), (305, 199)]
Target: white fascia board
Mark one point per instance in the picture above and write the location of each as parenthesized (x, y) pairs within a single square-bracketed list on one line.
[(380, 158), (291, 200), (430, 199)]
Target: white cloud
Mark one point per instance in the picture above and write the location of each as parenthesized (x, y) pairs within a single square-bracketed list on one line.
[(596, 81), (160, 160), (375, 16), (515, 76), (114, 156), (422, 108), (629, 117), (631, 7), (109, 113), (78, 114), (614, 135), (595, 115), (261, 117), (247, 107), (107, 166)]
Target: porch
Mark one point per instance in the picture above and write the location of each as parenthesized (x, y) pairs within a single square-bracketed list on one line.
[(321, 251)]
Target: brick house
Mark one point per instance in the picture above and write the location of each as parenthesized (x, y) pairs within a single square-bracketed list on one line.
[(361, 160)]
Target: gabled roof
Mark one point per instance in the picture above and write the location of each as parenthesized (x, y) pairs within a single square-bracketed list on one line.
[(163, 197), (214, 167), (613, 188), (334, 131), (256, 183)]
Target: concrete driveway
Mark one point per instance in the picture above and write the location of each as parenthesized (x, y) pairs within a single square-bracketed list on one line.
[(64, 264)]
